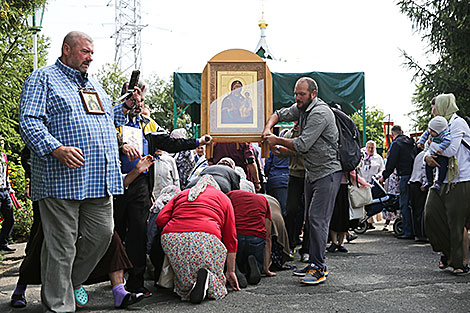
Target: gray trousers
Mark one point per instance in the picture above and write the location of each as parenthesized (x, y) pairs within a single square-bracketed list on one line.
[(76, 235), (445, 215), (320, 199)]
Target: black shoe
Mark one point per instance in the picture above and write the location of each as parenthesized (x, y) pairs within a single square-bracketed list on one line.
[(254, 275), (351, 237), (332, 248), (18, 300), (405, 237), (7, 249), (141, 290), (198, 293), (130, 299), (242, 283)]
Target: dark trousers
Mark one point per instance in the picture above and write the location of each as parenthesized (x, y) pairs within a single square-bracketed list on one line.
[(294, 204), (8, 219), (320, 201), (131, 211), (442, 169), (417, 202), (250, 245), (403, 198), (281, 195)]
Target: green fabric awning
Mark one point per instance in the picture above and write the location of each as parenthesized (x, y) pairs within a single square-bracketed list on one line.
[(345, 89)]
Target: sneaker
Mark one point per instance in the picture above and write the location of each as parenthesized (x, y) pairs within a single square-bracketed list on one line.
[(437, 186), (385, 228), (199, 290), (342, 249), (302, 271), (254, 275), (314, 276), (304, 258), (332, 248), (242, 283), (325, 271), (425, 186)]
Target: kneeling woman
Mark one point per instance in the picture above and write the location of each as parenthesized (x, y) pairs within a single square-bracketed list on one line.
[(194, 223)]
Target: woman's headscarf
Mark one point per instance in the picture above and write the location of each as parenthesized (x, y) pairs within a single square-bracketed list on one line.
[(227, 161), (165, 196), (201, 185), (445, 105), (179, 133)]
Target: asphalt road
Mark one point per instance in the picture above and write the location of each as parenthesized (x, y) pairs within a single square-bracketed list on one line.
[(378, 274)]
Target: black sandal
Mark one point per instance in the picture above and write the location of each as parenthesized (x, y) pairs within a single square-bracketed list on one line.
[(443, 264), (464, 270)]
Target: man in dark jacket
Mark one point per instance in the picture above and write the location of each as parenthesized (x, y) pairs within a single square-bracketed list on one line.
[(401, 157)]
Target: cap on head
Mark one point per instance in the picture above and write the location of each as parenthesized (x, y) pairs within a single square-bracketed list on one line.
[(438, 124)]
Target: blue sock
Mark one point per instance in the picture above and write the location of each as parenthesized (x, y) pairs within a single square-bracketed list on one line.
[(20, 289), (119, 292)]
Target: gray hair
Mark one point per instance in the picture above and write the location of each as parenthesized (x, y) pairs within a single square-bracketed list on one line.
[(72, 38)]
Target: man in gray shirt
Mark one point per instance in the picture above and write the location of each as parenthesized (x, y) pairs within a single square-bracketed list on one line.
[(318, 144)]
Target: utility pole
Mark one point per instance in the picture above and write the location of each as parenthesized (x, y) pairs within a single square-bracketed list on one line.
[(127, 34)]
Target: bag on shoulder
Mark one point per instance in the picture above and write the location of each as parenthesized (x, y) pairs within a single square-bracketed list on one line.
[(349, 142)]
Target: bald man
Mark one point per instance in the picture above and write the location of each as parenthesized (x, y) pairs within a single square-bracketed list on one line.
[(318, 144), (75, 168)]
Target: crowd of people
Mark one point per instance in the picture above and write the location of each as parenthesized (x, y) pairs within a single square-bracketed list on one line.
[(112, 189)]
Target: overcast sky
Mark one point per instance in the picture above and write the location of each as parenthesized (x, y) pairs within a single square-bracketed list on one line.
[(307, 35)]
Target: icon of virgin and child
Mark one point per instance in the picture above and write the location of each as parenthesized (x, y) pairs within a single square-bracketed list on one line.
[(237, 107)]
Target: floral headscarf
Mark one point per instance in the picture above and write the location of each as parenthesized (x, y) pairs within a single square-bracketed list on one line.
[(201, 185), (445, 105), (165, 196)]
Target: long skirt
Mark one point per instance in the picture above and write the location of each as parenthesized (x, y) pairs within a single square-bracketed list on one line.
[(191, 251)]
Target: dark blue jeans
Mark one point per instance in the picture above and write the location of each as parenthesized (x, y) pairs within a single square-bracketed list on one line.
[(406, 216), (442, 169), (250, 245), (8, 219)]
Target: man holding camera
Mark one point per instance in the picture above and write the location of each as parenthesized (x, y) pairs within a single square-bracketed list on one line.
[(75, 169), (141, 136)]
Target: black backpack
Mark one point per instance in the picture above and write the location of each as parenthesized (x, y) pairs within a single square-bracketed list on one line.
[(349, 142)]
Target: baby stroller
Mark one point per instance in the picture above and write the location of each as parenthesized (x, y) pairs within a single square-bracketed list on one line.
[(382, 201)]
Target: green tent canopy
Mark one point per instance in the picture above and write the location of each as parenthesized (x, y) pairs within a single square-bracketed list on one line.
[(345, 89)]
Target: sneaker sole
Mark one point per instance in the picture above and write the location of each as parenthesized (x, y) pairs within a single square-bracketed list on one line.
[(316, 282), (200, 288)]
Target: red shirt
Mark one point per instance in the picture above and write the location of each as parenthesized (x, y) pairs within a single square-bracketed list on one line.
[(251, 210), (211, 212)]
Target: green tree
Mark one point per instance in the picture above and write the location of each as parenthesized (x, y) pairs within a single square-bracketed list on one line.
[(159, 99), (374, 127), (16, 64), (111, 79), (445, 26)]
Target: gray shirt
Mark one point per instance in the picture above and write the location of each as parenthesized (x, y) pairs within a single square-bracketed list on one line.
[(318, 139)]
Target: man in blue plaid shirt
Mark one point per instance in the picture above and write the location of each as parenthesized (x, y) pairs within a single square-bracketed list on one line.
[(75, 168)]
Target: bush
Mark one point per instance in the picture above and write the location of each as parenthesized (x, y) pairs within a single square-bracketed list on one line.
[(24, 215)]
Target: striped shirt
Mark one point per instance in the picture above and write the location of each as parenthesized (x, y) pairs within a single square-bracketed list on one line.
[(53, 115), (443, 139)]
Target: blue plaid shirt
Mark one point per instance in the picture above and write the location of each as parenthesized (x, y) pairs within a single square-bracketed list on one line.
[(51, 115)]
